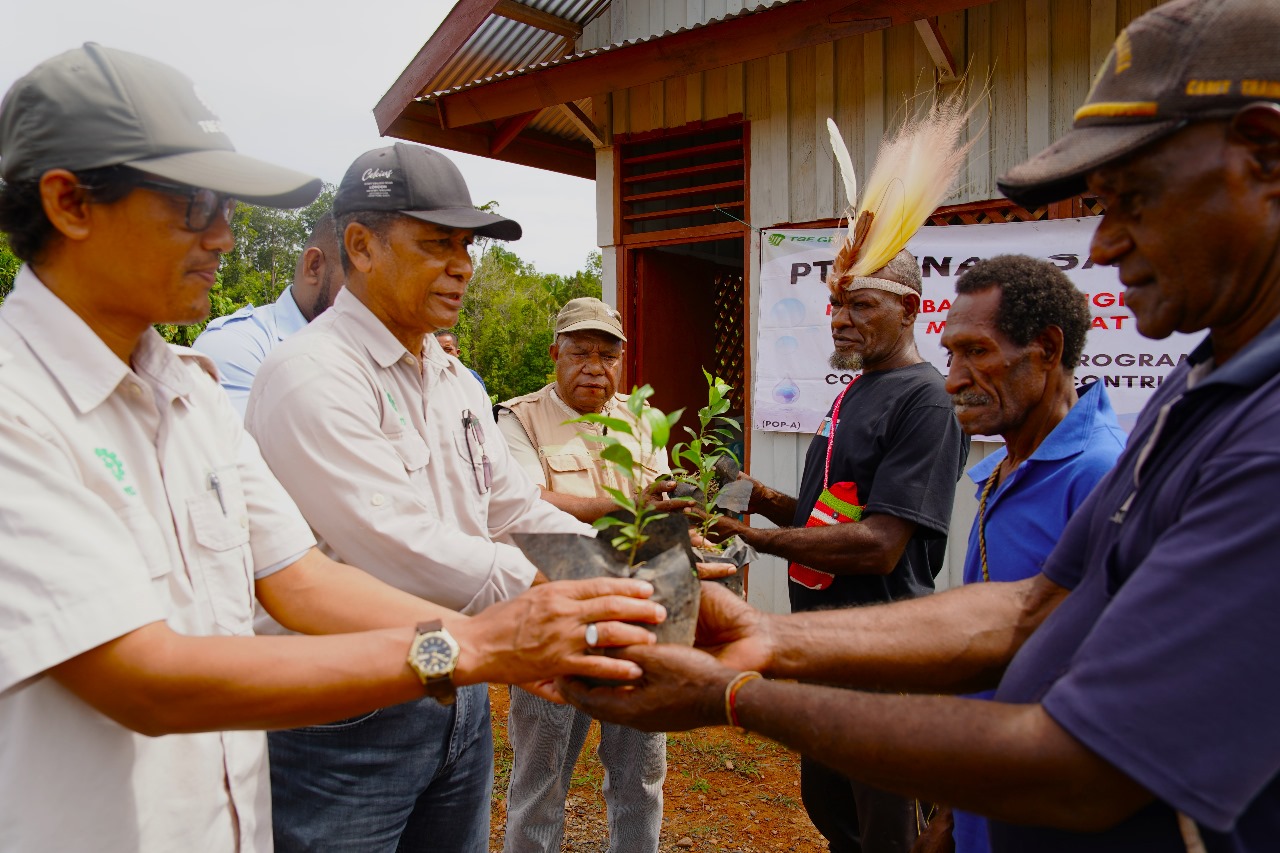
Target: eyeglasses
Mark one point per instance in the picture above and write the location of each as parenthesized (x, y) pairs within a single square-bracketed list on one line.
[(202, 204), (475, 436)]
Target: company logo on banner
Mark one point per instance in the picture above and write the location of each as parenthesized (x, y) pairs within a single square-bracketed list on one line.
[(795, 386)]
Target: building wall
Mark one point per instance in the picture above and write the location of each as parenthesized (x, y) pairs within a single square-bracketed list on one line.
[(1032, 59)]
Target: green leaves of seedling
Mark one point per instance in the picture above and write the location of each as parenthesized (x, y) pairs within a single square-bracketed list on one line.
[(698, 456), (649, 441)]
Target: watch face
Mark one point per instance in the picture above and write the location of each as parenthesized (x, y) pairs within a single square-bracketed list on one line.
[(433, 656)]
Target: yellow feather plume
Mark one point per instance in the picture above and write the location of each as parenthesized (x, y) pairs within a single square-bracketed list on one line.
[(915, 169)]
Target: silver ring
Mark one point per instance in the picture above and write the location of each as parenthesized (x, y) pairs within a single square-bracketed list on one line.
[(593, 635)]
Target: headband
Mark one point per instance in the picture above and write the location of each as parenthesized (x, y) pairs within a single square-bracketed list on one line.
[(860, 282)]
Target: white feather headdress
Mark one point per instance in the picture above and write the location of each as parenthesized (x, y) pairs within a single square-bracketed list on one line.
[(915, 169)]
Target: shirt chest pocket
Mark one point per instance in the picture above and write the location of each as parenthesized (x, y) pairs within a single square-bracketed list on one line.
[(571, 474), (220, 532), (415, 456)]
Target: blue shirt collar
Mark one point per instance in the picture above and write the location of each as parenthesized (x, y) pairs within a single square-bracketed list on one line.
[(1070, 437), (288, 316)]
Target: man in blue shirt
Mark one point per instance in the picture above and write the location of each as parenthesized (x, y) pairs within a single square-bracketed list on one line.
[(239, 342), (1137, 675), (1013, 337), (450, 344)]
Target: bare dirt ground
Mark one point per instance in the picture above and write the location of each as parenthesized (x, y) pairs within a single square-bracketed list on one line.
[(726, 792)]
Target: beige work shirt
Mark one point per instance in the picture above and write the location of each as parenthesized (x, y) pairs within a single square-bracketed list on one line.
[(110, 520), (564, 449), (373, 448)]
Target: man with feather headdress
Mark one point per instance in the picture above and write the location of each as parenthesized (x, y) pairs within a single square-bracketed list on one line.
[(870, 522)]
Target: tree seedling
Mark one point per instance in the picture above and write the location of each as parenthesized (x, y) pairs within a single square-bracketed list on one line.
[(629, 535), (706, 456)]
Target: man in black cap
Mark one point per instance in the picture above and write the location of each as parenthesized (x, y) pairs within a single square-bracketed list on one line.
[(392, 454), (1137, 677), (139, 526)]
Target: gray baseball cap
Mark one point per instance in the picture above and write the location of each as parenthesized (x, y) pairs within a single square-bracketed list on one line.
[(1184, 61), (419, 182), (94, 107)]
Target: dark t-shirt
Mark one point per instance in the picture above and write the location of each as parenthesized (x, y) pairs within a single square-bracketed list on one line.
[(1163, 660), (897, 438)]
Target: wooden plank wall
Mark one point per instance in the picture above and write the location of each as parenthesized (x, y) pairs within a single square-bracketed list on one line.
[(1036, 58)]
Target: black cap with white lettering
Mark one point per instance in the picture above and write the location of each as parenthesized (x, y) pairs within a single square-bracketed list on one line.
[(94, 107), (1181, 62), (418, 182)]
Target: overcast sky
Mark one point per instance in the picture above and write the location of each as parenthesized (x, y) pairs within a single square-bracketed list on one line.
[(295, 83)]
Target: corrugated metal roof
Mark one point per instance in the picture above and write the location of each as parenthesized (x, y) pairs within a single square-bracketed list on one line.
[(501, 44), (503, 48)]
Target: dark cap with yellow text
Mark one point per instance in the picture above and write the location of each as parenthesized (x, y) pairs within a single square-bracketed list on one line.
[(1185, 61)]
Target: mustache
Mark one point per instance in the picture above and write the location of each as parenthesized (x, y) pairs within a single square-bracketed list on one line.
[(970, 399)]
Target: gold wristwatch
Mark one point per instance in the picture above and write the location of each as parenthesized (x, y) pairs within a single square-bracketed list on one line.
[(433, 655)]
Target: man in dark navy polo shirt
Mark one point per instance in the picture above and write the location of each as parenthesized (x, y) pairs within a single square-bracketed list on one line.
[(1137, 672)]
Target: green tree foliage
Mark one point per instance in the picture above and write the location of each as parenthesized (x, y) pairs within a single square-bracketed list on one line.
[(508, 319), (260, 266), (9, 264)]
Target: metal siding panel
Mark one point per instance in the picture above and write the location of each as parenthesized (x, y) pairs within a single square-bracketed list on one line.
[(1069, 67), (773, 461), (768, 152), (693, 84), (1009, 85), (605, 159), (735, 89), (673, 102), (657, 93), (980, 183), (849, 109), (693, 12), (1039, 130), (1102, 31), (824, 161), (801, 135), (872, 97), (715, 93)]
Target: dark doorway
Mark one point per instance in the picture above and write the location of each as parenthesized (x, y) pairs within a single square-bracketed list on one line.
[(688, 313)]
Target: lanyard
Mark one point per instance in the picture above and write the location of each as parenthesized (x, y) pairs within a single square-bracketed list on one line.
[(831, 433)]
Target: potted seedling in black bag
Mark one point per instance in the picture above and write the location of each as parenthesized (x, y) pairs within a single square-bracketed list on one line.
[(709, 478), (636, 540)]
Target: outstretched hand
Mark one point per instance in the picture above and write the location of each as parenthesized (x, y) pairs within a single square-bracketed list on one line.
[(542, 633), (682, 688), (656, 495), (732, 631)]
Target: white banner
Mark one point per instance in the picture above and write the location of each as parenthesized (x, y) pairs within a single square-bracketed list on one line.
[(794, 385)]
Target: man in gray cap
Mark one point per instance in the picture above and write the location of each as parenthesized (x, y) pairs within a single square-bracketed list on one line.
[(391, 452), (547, 738), (1137, 680), (139, 525)]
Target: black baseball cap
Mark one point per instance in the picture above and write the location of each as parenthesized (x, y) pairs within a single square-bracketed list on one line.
[(94, 107), (1185, 61), (419, 182)]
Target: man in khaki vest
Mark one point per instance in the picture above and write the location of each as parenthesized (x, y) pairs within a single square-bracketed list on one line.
[(588, 357)]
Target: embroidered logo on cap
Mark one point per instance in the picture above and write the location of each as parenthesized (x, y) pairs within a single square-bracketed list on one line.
[(377, 183)]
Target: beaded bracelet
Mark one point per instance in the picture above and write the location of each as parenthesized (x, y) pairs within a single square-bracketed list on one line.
[(731, 695)]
